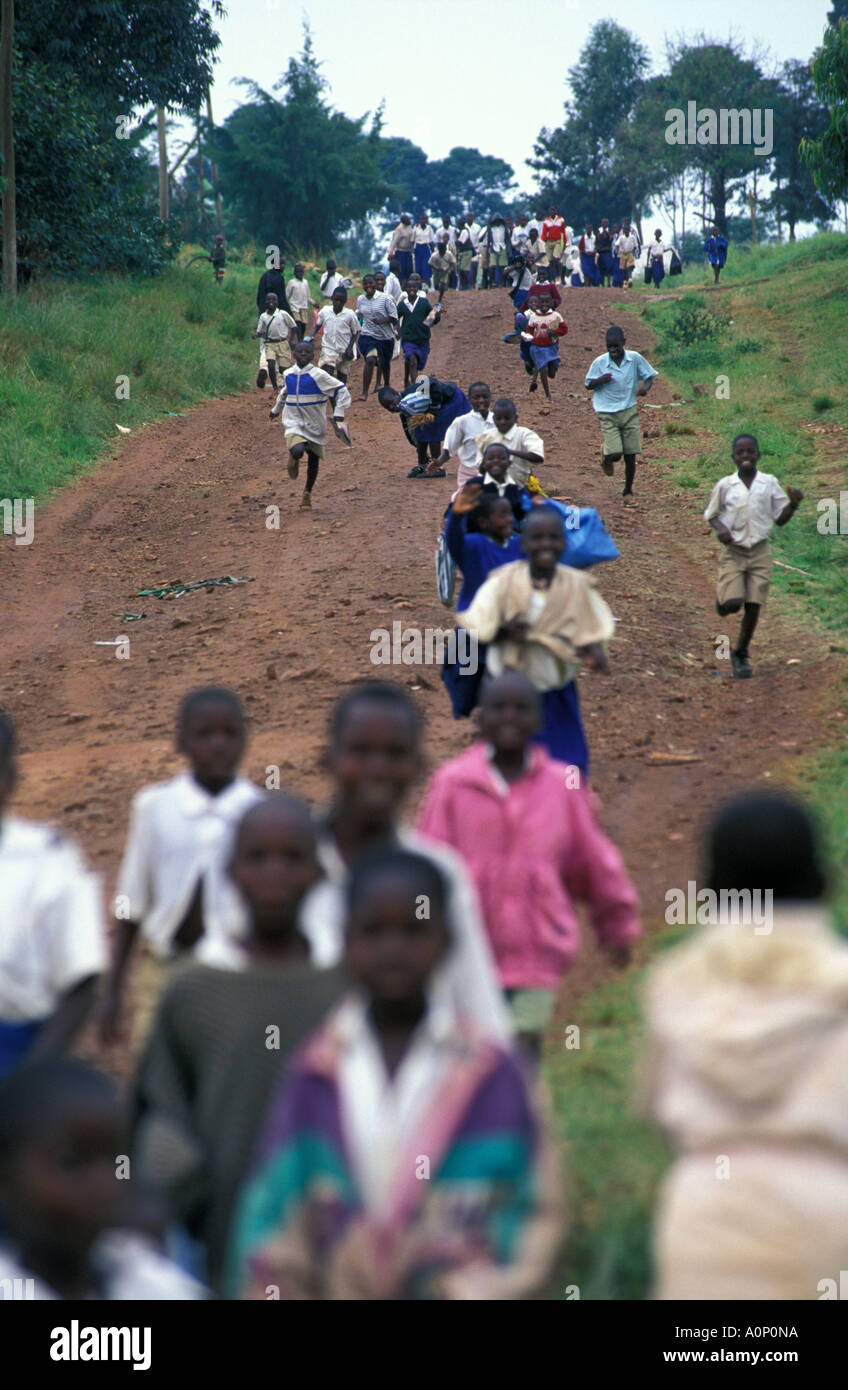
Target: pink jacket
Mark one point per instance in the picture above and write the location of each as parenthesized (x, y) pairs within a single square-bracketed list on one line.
[(532, 852)]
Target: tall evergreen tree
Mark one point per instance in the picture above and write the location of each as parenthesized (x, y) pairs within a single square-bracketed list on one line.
[(827, 156)]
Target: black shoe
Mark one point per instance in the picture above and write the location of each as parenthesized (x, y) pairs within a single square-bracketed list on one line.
[(417, 472), (741, 665), (261, 378), (608, 467)]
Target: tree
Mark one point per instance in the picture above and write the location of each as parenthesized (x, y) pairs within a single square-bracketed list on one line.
[(575, 162), (465, 177), (798, 115), (827, 156), (293, 171)]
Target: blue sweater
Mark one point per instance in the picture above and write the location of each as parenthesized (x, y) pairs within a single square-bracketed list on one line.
[(476, 555)]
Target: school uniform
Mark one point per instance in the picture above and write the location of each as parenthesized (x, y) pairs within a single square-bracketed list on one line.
[(423, 241), (400, 249), (297, 292), (586, 245), (303, 400), (331, 282), (275, 330), (379, 319), (553, 235), (715, 248), (51, 931), (617, 275), (414, 327), (127, 1268), (394, 289), (443, 268), (744, 566), (340, 332), (466, 245), (498, 243), (515, 493), (656, 263), (476, 555), (615, 402), (272, 282), (461, 440), (628, 250), (603, 251), (551, 325), (517, 437)]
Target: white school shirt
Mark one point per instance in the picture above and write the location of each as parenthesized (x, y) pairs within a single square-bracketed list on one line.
[(519, 437), (748, 513), (519, 235), (461, 439), (394, 289), (498, 237), (589, 244), (656, 249), (449, 232), (297, 293), (130, 1269), (534, 226), (51, 920), (339, 329), (179, 835), (376, 309), (276, 327), (380, 1114), (423, 236), (329, 283), (628, 242)]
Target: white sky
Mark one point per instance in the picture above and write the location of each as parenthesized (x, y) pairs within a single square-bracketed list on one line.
[(459, 72)]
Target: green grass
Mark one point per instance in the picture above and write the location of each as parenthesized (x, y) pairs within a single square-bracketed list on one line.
[(786, 371), (179, 339)]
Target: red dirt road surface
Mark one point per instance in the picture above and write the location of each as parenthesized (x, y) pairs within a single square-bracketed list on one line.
[(187, 499)]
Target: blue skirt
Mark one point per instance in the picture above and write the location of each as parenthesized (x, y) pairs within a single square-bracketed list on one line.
[(617, 272), (422, 261), (543, 355), (562, 728), (435, 433), (657, 269), (462, 685), (590, 270), (404, 260)]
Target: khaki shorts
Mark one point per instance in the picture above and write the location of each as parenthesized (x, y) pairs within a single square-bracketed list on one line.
[(441, 279), (621, 430), (744, 572), (301, 316), (278, 352), (555, 249), (316, 449), (149, 978), (626, 260), (334, 361), (498, 258), (465, 259)]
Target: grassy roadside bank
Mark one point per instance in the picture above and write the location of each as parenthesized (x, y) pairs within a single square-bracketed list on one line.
[(777, 345)]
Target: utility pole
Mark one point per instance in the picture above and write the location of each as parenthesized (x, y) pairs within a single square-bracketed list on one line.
[(164, 199), (10, 228)]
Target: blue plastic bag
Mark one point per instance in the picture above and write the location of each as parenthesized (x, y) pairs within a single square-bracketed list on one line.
[(587, 540)]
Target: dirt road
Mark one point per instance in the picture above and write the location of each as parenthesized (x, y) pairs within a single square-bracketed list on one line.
[(187, 499)]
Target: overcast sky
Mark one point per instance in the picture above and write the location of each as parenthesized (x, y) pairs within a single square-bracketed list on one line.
[(472, 72)]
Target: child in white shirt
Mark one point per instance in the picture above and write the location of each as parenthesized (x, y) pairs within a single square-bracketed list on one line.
[(52, 945), (340, 328), (274, 328), (300, 299), (172, 886)]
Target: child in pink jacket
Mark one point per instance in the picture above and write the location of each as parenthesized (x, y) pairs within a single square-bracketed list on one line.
[(526, 829)]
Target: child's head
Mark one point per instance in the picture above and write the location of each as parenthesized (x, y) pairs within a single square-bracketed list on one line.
[(533, 234), (339, 299), (211, 734), (543, 539), (389, 398), (369, 285), (505, 414), (60, 1138), (422, 219), (545, 303), (615, 341), (508, 712), (374, 752), (658, 233), (746, 451), (7, 759), (396, 930), (495, 461), (604, 224), (394, 267), (273, 862), (219, 240), (480, 397), (589, 228), (413, 283), (765, 840), (445, 220), (303, 352), (271, 302), (406, 219), (494, 517), (552, 212), (379, 280), (300, 270), (331, 266)]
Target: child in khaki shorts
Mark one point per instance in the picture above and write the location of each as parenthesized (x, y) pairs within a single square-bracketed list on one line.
[(743, 508)]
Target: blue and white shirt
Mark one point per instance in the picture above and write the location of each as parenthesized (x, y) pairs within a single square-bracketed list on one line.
[(304, 394), (620, 393)]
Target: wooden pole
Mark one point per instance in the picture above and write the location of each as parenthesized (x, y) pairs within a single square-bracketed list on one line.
[(177, 162), (219, 220), (164, 199), (10, 227)]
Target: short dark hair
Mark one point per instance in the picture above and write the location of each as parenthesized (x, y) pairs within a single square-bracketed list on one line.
[(486, 506), (422, 873), (209, 695), (615, 332), (753, 438), (504, 404), (542, 512), (765, 840), (378, 692), (31, 1096), (384, 393), (479, 386)]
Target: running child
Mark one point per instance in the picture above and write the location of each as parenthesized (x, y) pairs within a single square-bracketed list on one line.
[(527, 832), (400, 247), (744, 507), (443, 266), (416, 315), (337, 1208), (423, 241), (274, 328), (544, 619), (207, 1057), (300, 301), (332, 280), (67, 1211), (715, 249), (543, 329), (52, 945), (426, 408), (340, 328), (525, 446), (390, 284), (304, 396), (379, 318), (172, 888), (495, 479), (628, 249), (463, 432), (615, 379)]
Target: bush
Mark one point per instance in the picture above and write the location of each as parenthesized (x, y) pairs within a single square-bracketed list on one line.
[(691, 323), (822, 401)]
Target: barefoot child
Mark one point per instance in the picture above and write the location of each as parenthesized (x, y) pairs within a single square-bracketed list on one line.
[(171, 888), (615, 379), (544, 619), (416, 315), (543, 329), (337, 1208), (67, 1209), (207, 1055), (742, 510), (463, 432), (303, 400), (527, 832), (52, 945), (443, 266), (525, 446), (379, 318), (340, 329), (274, 328)]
